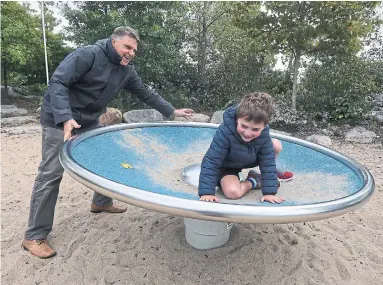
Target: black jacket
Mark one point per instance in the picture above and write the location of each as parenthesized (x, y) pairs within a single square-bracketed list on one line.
[(228, 150), (86, 80)]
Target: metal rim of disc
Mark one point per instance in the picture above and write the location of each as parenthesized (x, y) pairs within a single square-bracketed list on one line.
[(217, 211)]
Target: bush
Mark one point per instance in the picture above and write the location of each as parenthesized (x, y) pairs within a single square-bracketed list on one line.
[(337, 90)]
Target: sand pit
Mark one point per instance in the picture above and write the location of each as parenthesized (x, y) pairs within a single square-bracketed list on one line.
[(146, 247)]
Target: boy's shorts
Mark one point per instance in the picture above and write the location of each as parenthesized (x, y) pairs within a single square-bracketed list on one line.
[(228, 171)]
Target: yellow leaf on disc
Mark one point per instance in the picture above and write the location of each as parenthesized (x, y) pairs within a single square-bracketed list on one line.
[(126, 165)]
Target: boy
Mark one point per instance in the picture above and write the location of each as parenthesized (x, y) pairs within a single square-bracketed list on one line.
[(242, 141)]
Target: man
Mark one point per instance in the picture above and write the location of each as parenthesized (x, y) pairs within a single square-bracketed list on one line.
[(78, 93)]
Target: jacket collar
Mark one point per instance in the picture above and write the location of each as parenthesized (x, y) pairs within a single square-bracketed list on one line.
[(230, 120), (108, 49), (114, 57)]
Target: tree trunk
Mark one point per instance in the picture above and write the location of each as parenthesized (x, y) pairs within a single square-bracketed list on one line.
[(289, 69), (4, 94), (203, 42), (202, 54), (295, 80)]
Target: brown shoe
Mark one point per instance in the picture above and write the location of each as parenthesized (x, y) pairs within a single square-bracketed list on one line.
[(109, 209), (39, 248)]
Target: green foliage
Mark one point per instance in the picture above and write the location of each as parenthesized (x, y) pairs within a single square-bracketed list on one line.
[(22, 45), (159, 61), (308, 28), (338, 90)]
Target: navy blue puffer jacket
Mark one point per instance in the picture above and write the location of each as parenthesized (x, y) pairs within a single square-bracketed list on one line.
[(228, 150)]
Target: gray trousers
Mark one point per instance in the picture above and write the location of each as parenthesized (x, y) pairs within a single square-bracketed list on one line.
[(47, 183)]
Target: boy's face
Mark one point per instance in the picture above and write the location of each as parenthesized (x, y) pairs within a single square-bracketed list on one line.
[(249, 130)]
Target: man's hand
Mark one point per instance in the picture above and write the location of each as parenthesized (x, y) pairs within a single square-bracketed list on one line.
[(68, 127), (272, 199), (209, 198), (186, 113)]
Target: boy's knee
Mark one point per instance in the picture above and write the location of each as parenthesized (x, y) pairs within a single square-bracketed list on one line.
[(233, 193), (277, 145)]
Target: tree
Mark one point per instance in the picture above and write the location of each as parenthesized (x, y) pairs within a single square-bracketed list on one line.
[(158, 61), (22, 44), (188, 50), (311, 29), (338, 89), (228, 63), (20, 38)]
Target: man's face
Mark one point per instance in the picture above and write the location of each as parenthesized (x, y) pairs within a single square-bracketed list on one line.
[(249, 130), (126, 47)]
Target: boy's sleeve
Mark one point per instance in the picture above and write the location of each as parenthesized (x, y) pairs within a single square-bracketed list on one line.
[(268, 168), (147, 96), (212, 162), (70, 70)]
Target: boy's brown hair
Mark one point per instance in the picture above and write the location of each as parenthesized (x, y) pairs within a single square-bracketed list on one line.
[(256, 107)]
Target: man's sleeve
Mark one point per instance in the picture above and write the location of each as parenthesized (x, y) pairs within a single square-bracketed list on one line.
[(70, 70), (212, 162), (149, 97), (268, 169)]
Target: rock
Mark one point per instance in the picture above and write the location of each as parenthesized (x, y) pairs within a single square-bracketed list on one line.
[(110, 117), (320, 139), (378, 115), (360, 135), (217, 117), (6, 107), (327, 132), (13, 112), (16, 121), (142, 116), (15, 93), (22, 130), (11, 91), (201, 118)]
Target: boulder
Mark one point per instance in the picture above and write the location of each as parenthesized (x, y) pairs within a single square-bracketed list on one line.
[(360, 135), (33, 129), (16, 121), (13, 112), (110, 117), (7, 107), (201, 118), (11, 91), (320, 139), (217, 117), (142, 116)]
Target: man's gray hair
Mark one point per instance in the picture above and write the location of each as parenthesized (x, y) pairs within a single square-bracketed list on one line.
[(125, 31)]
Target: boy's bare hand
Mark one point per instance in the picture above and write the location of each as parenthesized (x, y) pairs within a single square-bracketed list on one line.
[(209, 198), (272, 199)]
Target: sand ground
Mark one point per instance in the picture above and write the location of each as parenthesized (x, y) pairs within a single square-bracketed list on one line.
[(146, 247)]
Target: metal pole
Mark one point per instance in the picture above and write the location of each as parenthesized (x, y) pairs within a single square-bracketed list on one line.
[(45, 42)]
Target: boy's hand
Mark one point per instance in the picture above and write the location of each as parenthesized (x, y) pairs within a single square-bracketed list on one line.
[(209, 198), (272, 199)]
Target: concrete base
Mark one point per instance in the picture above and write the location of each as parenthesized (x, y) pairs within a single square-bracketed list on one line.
[(202, 234)]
